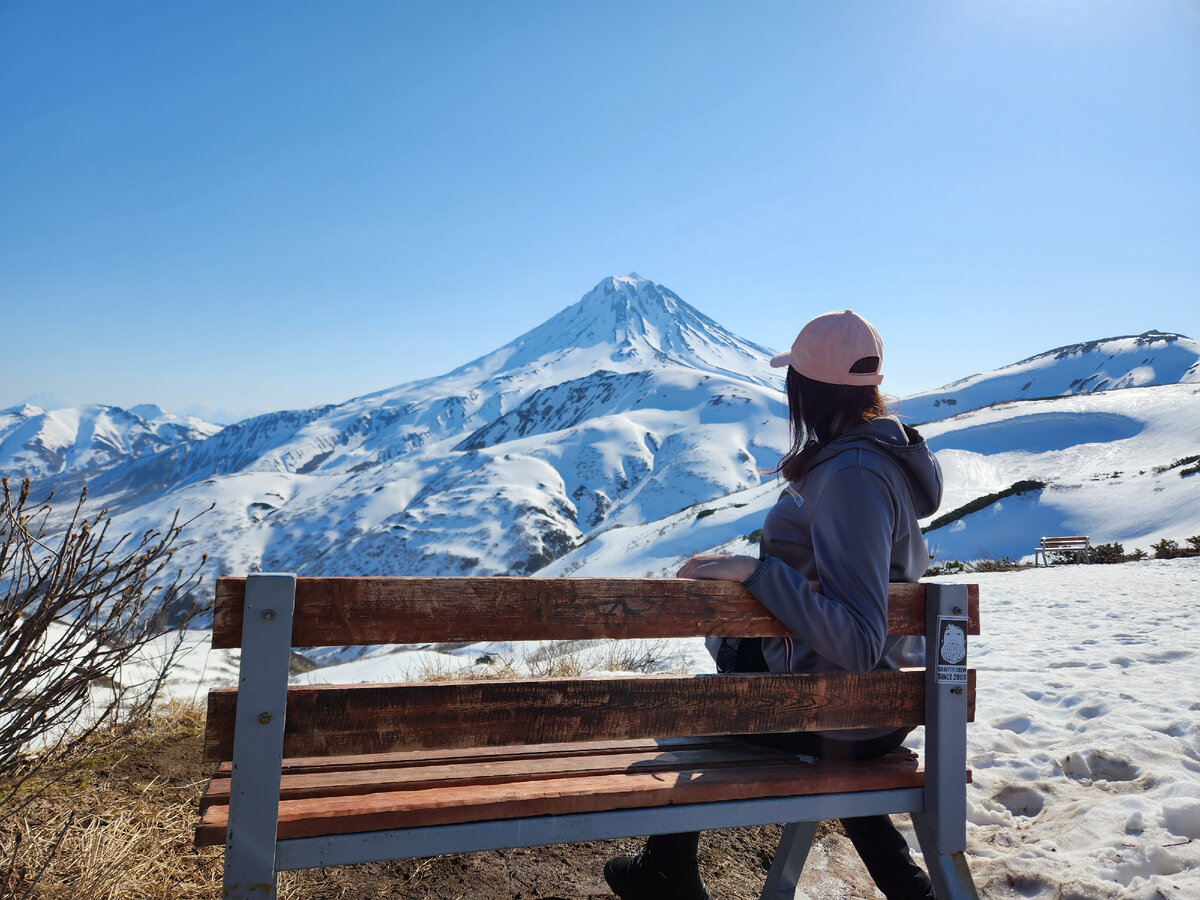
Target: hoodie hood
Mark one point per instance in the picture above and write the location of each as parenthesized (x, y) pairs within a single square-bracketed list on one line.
[(904, 446)]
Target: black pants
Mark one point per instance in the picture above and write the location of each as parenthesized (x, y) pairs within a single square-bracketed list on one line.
[(878, 841)]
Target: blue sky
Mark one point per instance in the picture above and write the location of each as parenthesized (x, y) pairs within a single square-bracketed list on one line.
[(258, 206)]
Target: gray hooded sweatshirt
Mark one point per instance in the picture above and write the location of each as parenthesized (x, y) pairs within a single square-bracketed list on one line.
[(834, 540)]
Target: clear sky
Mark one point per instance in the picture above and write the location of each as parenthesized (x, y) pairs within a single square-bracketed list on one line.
[(257, 206)]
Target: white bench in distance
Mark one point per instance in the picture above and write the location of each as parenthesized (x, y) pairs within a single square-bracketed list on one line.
[(1077, 544)]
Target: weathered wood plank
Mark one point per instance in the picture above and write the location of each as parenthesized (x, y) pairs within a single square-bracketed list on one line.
[(385, 610), (534, 766), (559, 796), (325, 720), (405, 759)]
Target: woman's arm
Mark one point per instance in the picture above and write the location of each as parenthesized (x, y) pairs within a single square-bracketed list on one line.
[(718, 567), (846, 621)]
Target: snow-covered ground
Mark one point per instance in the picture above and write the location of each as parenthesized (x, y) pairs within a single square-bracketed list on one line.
[(1108, 460), (1086, 744)]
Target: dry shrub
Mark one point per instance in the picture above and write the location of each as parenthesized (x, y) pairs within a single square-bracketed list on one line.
[(558, 659), (81, 617), (648, 656)]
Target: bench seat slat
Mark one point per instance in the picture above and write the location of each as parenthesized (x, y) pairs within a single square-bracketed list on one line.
[(759, 776), (315, 764), (408, 610), (325, 720), (451, 771)]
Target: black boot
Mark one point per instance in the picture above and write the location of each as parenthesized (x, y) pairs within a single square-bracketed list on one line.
[(665, 870)]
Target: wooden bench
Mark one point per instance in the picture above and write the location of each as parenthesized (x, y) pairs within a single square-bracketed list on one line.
[(336, 774), (1077, 544)]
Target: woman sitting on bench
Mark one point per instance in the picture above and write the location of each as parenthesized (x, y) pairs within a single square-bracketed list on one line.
[(857, 482)]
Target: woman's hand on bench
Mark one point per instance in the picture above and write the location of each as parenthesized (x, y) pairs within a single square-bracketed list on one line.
[(719, 567)]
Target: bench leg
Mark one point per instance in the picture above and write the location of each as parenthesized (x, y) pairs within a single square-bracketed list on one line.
[(250, 869), (258, 739), (789, 861), (949, 872)]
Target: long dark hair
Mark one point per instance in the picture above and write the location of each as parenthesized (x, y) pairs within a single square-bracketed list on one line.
[(819, 412)]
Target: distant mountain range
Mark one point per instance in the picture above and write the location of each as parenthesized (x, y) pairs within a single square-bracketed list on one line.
[(1139, 360), (621, 435), (38, 443)]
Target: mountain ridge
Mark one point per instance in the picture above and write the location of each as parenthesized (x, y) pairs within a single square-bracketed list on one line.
[(605, 424), (1150, 358), (624, 406), (40, 443)]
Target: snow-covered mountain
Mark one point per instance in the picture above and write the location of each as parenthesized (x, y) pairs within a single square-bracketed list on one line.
[(1105, 365), (630, 431), (625, 407), (37, 442), (1118, 466)]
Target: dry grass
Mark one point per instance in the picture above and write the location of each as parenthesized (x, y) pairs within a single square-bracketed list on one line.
[(119, 825), (452, 670), (560, 659), (116, 845), (116, 825), (640, 656)]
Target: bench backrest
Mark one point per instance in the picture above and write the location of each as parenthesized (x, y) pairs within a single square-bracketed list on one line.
[(355, 719), (1065, 543)]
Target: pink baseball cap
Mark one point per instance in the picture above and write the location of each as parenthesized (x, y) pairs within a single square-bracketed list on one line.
[(830, 346)]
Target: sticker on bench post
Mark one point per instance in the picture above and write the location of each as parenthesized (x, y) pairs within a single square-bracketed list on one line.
[(952, 650)]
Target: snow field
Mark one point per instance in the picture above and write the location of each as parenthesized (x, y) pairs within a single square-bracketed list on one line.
[(1086, 745)]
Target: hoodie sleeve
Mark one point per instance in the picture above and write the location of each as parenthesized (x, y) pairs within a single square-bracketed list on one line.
[(846, 622)]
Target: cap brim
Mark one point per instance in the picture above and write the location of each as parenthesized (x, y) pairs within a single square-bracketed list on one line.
[(779, 360)]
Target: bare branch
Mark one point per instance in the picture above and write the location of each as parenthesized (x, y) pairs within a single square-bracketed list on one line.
[(84, 649)]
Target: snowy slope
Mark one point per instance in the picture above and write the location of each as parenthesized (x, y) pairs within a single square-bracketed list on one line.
[(36, 442), (1104, 458), (1106, 365), (625, 407), (593, 443)]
